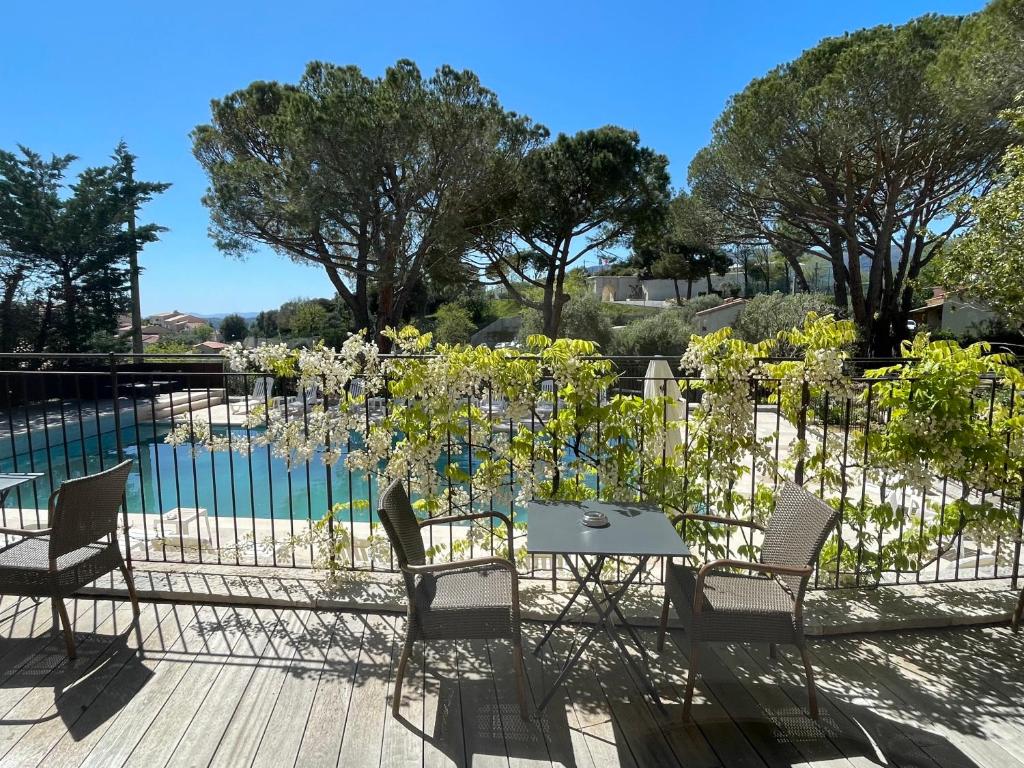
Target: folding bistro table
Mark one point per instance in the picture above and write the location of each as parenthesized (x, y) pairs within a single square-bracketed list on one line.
[(641, 531), (11, 480)]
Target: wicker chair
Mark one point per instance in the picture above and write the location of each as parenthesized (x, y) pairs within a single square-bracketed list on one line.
[(767, 607), (79, 546), (461, 600)]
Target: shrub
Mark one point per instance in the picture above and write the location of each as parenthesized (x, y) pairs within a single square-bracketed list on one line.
[(666, 333), (453, 324), (768, 314), (582, 318)]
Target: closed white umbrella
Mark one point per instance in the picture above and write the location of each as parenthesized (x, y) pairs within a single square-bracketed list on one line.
[(659, 381)]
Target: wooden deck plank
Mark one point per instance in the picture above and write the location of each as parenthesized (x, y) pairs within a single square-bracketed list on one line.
[(567, 743), (402, 743), (481, 721), (24, 622), (885, 692), (641, 728), (747, 712), (282, 739), (865, 737), (524, 739), (132, 700), (444, 743), (54, 714), (218, 638), (603, 736), (280, 687), (711, 723), (50, 669), (370, 701), (789, 718), (241, 736), (262, 630), (982, 661), (321, 745)]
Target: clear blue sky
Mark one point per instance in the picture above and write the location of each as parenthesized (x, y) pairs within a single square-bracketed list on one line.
[(78, 76)]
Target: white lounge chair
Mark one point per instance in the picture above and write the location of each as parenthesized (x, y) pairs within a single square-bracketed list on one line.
[(305, 400), (262, 390), (374, 404)]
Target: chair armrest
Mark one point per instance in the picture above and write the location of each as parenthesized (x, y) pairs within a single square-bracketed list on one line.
[(474, 516), (474, 563), (716, 519), (718, 565), (459, 518), (778, 570), (26, 532)]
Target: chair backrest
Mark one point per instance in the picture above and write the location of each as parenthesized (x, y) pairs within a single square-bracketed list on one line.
[(310, 395), (796, 531), (86, 509), (262, 388), (401, 525)]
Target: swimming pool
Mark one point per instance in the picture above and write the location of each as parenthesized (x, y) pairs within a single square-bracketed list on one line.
[(226, 483)]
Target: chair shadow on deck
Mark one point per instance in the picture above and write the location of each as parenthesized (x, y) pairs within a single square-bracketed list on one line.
[(80, 696)]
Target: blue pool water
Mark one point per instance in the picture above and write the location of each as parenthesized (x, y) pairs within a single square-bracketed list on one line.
[(225, 483)]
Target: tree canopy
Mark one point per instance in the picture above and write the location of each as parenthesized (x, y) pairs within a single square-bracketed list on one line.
[(861, 149), (579, 194), (988, 262), (234, 328), (374, 179), (65, 247), (686, 247)]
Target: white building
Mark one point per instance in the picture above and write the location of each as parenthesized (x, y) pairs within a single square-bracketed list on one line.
[(952, 312), (716, 318)]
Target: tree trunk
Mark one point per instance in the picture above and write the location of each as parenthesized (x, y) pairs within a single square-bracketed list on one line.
[(689, 288), (675, 284), (358, 302), (11, 285), (840, 295), (43, 337), (70, 310)]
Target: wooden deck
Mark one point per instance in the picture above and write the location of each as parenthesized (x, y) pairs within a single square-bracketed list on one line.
[(275, 687)]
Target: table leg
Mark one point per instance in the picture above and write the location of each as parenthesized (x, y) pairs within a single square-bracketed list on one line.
[(574, 656), (614, 597), (558, 620)]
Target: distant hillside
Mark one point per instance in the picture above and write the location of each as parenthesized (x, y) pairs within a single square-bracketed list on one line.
[(214, 320)]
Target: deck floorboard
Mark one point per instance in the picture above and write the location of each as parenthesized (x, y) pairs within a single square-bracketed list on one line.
[(277, 687)]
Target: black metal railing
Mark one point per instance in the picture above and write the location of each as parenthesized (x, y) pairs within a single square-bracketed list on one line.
[(70, 415)]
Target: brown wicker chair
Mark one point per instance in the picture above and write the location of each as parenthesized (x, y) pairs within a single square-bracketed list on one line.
[(767, 607), (460, 600), (79, 546)]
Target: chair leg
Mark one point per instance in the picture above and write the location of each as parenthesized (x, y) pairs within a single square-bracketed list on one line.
[(56, 616), (691, 679), (134, 597), (812, 695), (69, 638), (400, 673), (1015, 623), (773, 652), (663, 625), (517, 662)]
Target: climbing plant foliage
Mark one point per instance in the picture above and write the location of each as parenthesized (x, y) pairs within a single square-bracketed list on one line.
[(475, 429)]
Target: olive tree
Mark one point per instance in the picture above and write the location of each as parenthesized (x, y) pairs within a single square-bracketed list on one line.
[(373, 179), (860, 150), (577, 195)]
